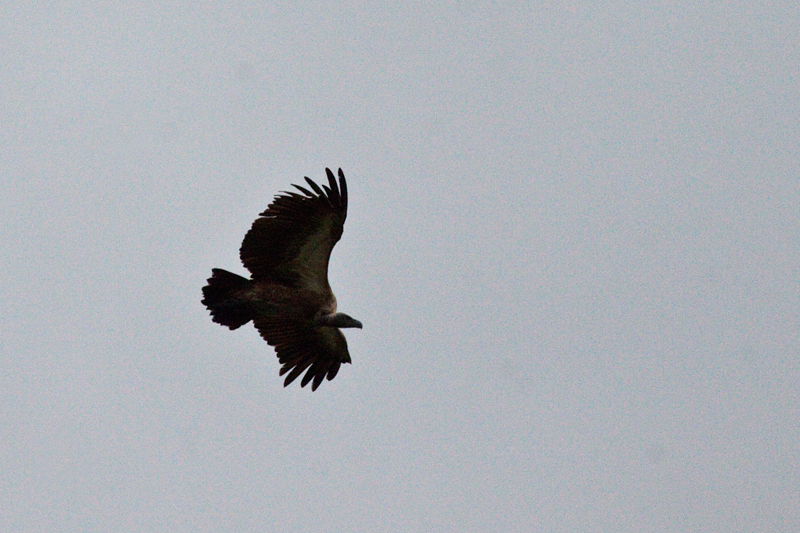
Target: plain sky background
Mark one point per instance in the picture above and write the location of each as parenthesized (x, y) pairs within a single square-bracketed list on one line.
[(573, 240)]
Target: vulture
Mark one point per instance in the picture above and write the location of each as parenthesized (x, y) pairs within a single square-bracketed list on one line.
[(288, 297)]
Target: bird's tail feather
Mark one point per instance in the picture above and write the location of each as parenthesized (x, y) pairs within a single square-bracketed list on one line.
[(218, 297)]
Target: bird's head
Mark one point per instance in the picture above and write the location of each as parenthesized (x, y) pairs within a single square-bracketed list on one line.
[(339, 320)]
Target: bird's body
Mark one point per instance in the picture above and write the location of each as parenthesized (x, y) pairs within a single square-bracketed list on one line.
[(288, 298)]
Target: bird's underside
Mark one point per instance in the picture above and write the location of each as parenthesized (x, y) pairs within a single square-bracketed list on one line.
[(288, 297)]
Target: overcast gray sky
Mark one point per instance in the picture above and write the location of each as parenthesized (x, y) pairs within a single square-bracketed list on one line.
[(573, 241)]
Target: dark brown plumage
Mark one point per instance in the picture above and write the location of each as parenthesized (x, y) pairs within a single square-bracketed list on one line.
[(288, 298)]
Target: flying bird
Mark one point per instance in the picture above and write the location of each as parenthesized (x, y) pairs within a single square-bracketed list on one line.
[(288, 297)]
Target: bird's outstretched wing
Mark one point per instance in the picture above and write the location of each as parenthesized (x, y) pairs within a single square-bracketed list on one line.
[(291, 242), (302, 347)]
